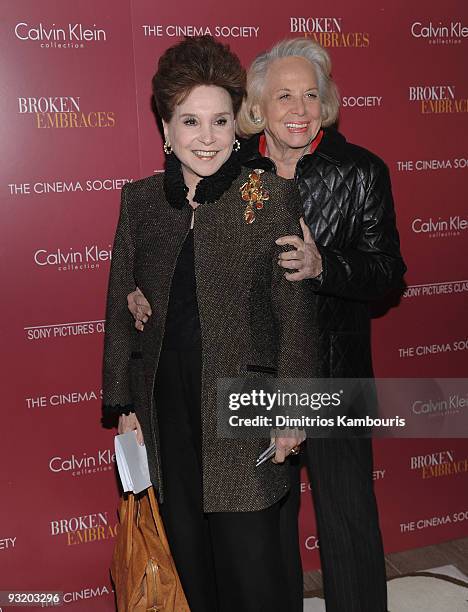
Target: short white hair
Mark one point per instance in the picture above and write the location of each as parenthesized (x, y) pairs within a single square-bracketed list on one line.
[(257, 73)]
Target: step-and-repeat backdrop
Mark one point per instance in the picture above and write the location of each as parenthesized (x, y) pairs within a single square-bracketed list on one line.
[(76, 124)]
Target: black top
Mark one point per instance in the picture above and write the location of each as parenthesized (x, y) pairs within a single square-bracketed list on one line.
[(182, 329)]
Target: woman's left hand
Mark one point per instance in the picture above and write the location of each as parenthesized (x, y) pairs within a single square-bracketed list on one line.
[(284, 446), (305, 260), (139, 307)]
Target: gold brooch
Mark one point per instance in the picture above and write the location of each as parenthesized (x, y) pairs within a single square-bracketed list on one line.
[(253, 193)]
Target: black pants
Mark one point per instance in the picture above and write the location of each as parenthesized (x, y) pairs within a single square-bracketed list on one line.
[(227, 561), (350, 542)]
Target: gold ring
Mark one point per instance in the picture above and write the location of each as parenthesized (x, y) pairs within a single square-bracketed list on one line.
[(295, 450)]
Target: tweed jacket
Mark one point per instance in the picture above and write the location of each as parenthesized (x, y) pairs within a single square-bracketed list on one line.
[(347, 204), (250, 317)]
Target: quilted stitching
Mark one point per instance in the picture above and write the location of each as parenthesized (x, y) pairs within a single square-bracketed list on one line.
[(348, 205)]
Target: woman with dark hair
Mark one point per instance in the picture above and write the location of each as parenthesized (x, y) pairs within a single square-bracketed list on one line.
[(199, 241)]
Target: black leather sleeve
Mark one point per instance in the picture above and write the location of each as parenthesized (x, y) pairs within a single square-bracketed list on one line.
[(373, 265)]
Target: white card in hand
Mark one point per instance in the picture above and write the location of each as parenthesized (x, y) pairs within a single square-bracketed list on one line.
[(132, 463)]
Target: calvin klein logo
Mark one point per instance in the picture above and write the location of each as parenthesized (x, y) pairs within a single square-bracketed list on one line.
[(86, 259), (440, 227), (73, 32), (440, 33)]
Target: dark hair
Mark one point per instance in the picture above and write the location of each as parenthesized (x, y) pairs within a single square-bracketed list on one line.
[(197, 60)]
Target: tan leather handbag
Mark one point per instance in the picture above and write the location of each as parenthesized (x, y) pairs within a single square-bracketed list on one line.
[(142, 568)]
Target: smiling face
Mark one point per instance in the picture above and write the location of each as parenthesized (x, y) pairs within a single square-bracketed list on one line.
[(201, 132), (290, 103)]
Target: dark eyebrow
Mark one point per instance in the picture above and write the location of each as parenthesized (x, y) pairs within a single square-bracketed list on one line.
[(216, 114)]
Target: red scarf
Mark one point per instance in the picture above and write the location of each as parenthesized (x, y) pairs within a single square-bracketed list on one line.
[(313, 145)]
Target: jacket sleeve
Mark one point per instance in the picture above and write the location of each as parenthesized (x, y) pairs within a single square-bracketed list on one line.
[(119, 329), (295, 313), (373, 266)]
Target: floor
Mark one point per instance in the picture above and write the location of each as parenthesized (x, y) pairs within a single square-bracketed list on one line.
[(448, 553)]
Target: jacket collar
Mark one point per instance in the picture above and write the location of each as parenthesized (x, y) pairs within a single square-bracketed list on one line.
[(209, 189), (331, 149)]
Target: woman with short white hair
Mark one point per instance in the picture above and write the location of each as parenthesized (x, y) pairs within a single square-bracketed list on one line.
[(250, 120), (350, 252)]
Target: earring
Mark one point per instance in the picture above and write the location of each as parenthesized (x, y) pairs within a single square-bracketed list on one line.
[(257, 120), (167, 148), (236, 146)]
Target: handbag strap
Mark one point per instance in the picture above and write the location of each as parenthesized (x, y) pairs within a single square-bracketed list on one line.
[(158, 520), (128, 519)]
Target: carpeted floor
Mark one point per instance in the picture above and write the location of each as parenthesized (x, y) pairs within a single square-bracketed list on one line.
[(441, 583), (454, 552), (439, 589)]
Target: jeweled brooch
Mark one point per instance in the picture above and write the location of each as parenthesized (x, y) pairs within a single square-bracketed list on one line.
[(253, 193)]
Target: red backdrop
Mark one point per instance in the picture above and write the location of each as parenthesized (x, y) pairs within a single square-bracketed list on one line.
[(77, 123)]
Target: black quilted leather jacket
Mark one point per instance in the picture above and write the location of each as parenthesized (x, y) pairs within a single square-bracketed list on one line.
[(348, 206)]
